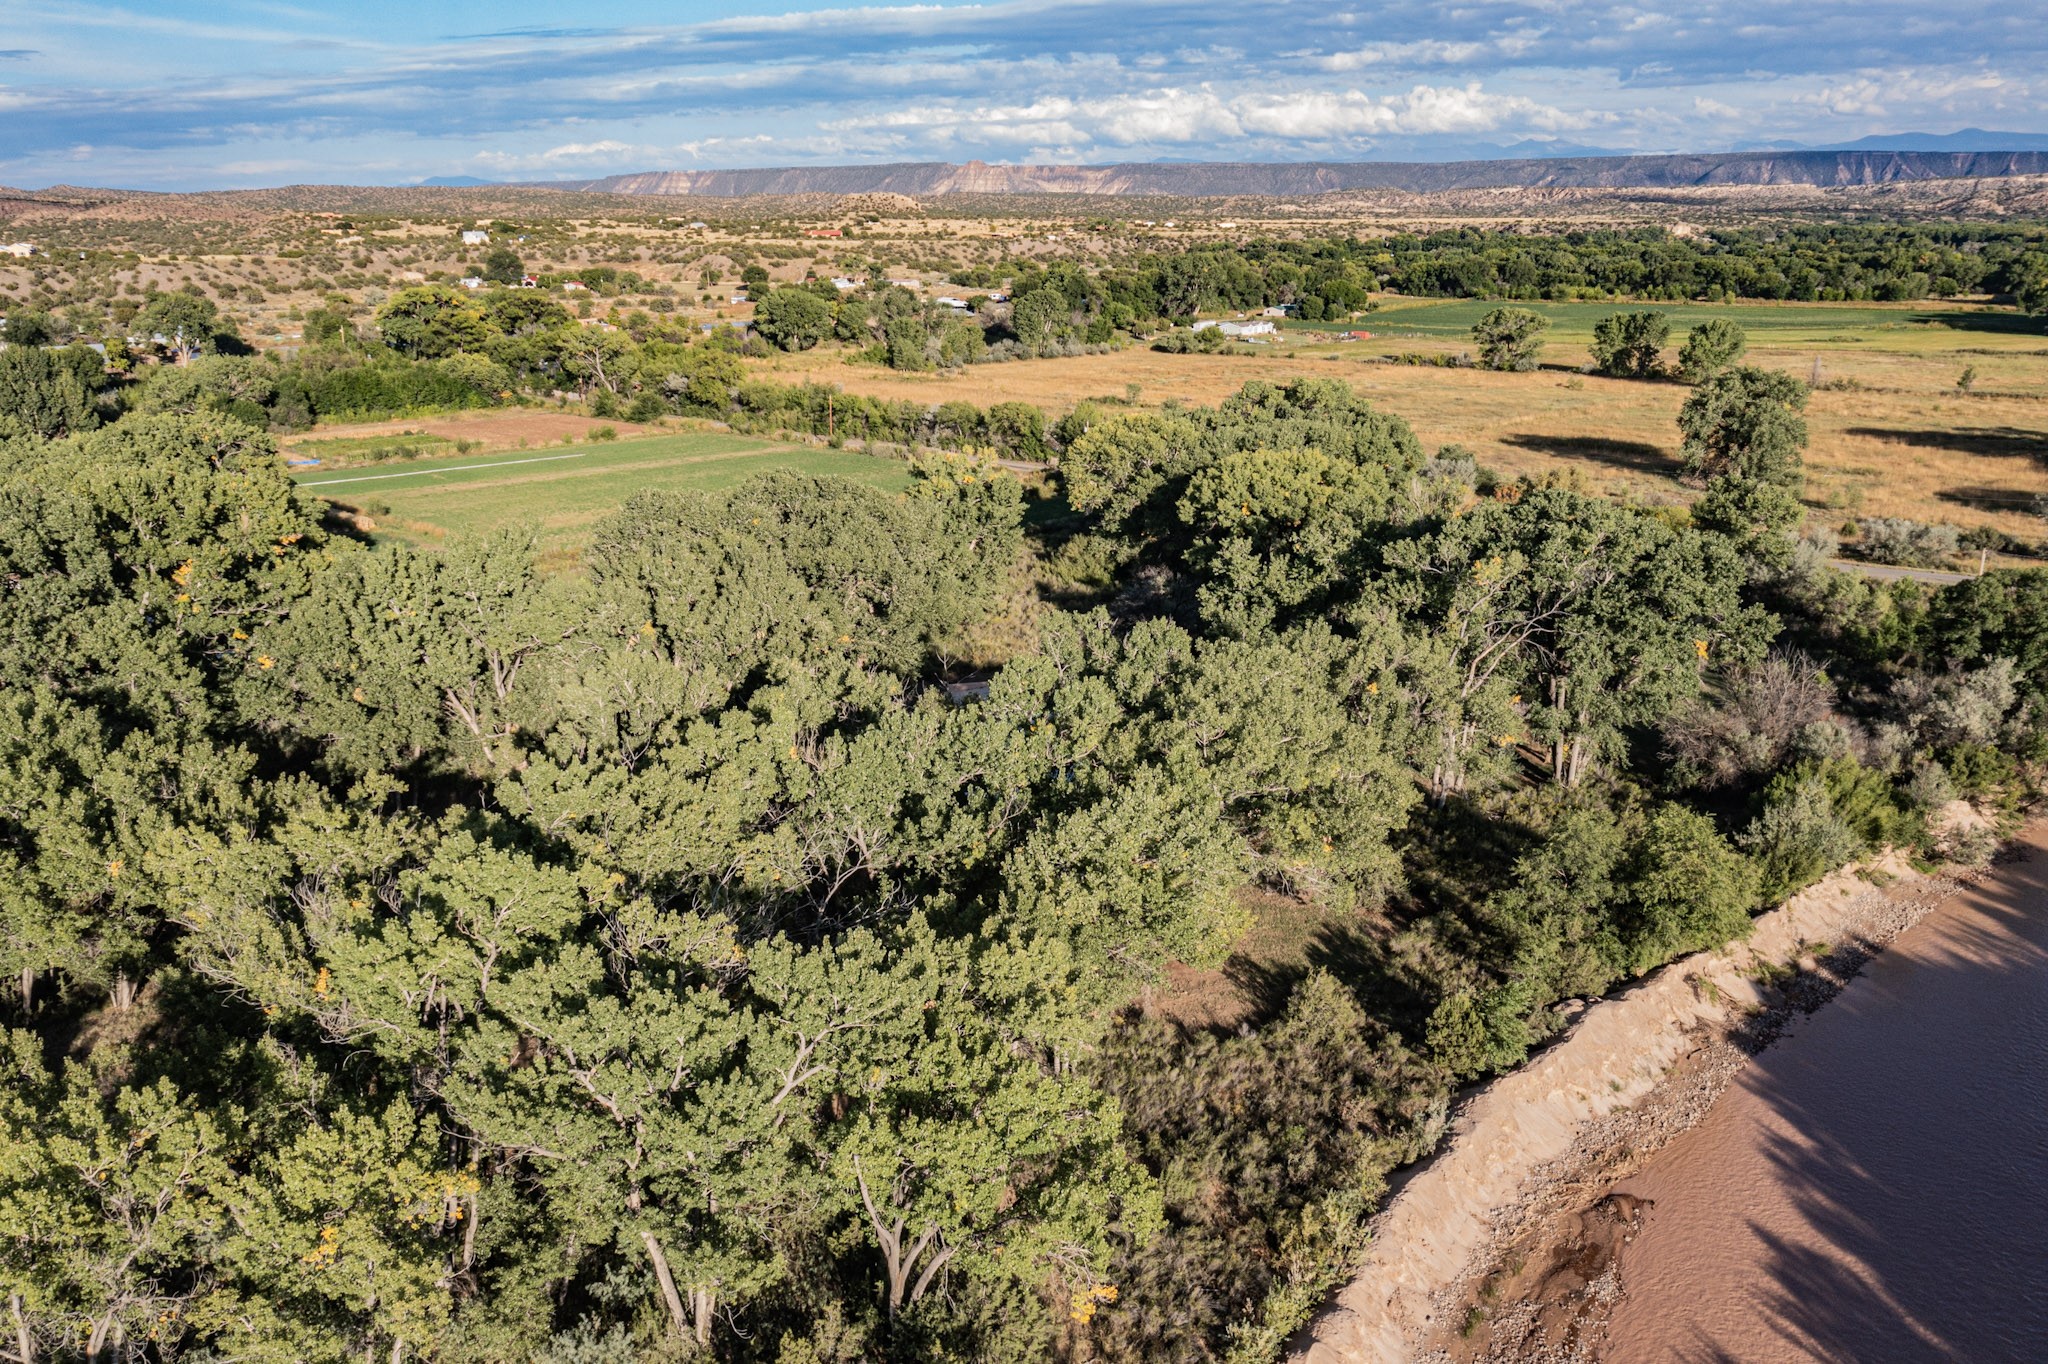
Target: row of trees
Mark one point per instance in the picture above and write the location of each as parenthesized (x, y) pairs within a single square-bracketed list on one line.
[(1625, 345), (1332, 278)]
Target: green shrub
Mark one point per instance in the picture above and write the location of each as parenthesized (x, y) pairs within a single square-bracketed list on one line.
[(1477, 1032), (1689, 890)]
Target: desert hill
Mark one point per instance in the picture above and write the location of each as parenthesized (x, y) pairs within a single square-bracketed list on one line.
[(1212, 179)]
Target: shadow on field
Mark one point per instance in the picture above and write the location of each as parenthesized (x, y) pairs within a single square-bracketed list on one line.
[(1995, 442), (2004, 323), (1634, 455), (1989, 499)]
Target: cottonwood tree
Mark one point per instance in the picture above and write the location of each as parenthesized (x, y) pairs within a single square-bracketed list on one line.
[(1594, 616), (1709, 348), (793, 319), (1630, 345), (1509, 338), (190, 323), (433, 321), (1744, 438)]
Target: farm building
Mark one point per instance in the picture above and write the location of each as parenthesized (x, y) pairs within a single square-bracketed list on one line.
[(475, 238), (17, 249)]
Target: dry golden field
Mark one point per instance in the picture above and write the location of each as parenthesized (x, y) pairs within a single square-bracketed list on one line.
[(1902, 441)]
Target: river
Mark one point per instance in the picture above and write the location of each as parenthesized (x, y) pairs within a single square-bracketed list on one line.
[(1874, 1187)]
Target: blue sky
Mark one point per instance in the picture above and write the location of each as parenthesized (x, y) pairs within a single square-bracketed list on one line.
[(184, 95)]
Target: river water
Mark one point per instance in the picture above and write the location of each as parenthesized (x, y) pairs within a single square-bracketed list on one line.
[(1873, 1188)]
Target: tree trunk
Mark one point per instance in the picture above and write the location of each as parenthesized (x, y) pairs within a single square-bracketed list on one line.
[(124, 992), (676, 1315), (24, 1343), (702, 1299), (28, 987)]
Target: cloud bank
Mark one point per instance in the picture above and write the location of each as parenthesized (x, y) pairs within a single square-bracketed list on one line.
[(387, 93)]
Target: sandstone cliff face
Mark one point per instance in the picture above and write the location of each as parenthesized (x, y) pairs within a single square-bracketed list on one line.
[(1205, 179)]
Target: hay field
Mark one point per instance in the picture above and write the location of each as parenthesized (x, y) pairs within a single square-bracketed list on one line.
[(1900, 439)]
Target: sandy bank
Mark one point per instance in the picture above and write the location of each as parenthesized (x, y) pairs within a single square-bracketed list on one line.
[(1526, 1131)]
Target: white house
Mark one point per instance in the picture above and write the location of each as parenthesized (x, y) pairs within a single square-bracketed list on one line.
[(472, 282), (1282, 310), (843, 284), (17, 249), (473, 237), (1238, 328)]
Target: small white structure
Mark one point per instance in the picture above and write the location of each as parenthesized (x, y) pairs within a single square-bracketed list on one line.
[(529, 282), (843, 284), (698, 227), (948, 301), (574, 286), (471, 282), (474, 237), (1238, 328), (1282, 310), (18, 249), (908, 283)]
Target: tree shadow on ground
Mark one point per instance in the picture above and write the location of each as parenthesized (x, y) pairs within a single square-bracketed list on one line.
[(1384, 984), (2001, 323), (1995, 442), (1633, 455), (1989, 499)]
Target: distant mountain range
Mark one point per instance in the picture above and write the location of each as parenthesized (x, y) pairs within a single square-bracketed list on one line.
[(1853, 166), (1967, 140)]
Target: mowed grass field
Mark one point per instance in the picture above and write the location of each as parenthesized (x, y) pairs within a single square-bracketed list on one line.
[(1899, 438), (563, 491)]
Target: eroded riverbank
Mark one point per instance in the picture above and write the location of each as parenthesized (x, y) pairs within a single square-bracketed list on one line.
[(1874, 1187), (1504, 1247)]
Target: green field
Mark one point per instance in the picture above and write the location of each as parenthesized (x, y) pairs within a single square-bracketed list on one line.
[(563, 491), (1883, 326)]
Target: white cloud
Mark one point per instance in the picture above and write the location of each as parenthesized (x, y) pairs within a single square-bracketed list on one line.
[(1175, 116)]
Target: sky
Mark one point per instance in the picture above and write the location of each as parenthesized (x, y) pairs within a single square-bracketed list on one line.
[(178, 95)]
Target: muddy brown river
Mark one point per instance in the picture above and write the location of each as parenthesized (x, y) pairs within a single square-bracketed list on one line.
[(1873, 1188)]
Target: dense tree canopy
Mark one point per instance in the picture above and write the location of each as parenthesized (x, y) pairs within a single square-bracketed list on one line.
[(417, 955)]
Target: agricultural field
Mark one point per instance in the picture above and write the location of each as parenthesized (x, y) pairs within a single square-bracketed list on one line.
[(1892, 433), (563, 491)]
